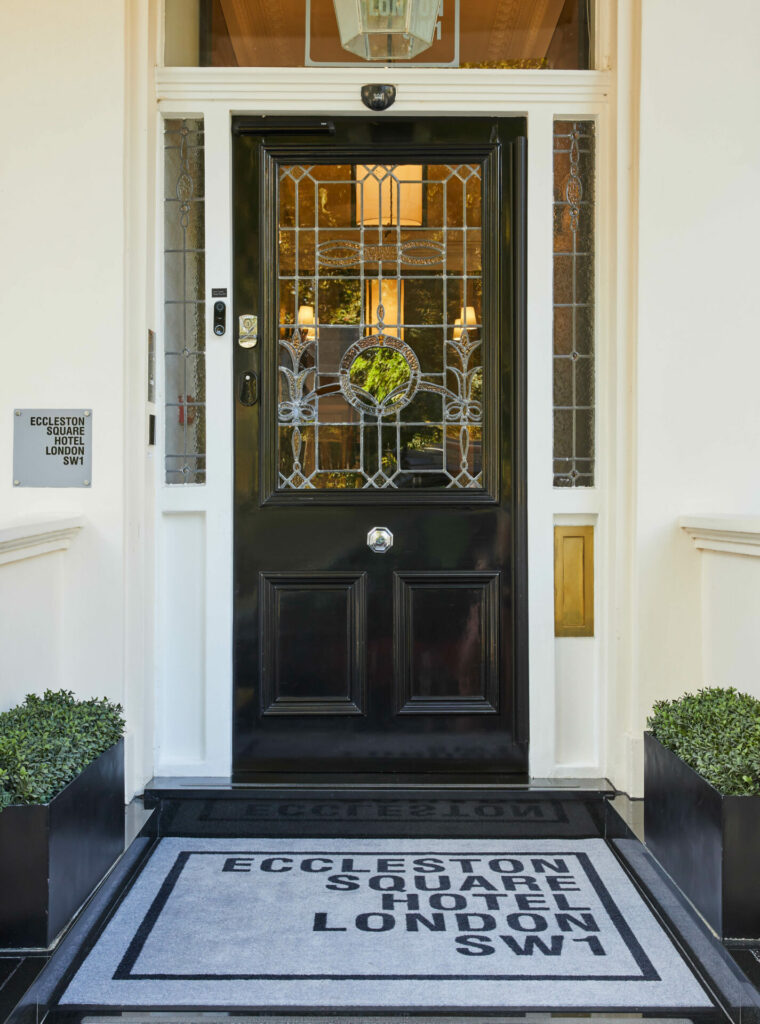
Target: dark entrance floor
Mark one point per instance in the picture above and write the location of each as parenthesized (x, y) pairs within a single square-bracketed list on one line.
[(31, 982)]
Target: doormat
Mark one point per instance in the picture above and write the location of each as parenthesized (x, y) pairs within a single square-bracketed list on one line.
[(379, 923)]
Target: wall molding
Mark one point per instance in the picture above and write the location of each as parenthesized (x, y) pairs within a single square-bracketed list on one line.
[(336, 90), (42, 537), (729, 534)]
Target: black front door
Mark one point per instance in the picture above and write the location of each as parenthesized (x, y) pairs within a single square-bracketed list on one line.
[(380, 619)]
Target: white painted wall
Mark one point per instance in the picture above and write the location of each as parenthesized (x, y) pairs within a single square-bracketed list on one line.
[(730, 618), (727, 548), (62, 325), (31, 626), (697, 358)]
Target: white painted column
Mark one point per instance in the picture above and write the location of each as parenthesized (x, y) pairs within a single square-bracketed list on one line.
[(540, 490), (219, 444)]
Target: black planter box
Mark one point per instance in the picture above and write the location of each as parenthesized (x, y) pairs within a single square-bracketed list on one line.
[(53, 855), (708, 843)]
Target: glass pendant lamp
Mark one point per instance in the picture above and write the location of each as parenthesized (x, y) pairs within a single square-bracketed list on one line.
[(386, 29)]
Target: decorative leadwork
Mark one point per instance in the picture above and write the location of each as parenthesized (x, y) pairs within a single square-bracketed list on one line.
[(380, 365), (574, 173), (184, 305), (415, 253)]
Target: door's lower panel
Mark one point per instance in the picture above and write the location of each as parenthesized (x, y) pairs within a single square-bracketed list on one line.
[(313, 629), (446, 642), (439, 709)]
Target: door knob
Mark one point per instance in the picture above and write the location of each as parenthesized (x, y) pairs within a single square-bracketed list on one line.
[(380, 539)]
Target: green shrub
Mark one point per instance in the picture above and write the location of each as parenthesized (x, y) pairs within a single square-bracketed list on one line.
[(5, 796), (47, 741), (717, 732)]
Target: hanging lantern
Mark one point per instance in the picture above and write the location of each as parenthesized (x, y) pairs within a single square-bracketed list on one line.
[(386, 29)]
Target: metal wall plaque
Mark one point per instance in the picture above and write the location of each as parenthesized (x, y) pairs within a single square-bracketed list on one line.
[(52, 447)]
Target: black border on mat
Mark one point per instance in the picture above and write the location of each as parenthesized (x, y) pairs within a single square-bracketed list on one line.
[(124, 971)]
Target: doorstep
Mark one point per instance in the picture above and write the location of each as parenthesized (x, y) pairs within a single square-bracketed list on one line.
[(182, 786), (329, 805)]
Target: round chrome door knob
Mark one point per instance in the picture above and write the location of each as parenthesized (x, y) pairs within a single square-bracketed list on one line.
[(380, 539)]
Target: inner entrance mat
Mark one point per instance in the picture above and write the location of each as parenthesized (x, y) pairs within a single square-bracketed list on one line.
[(375, 923)]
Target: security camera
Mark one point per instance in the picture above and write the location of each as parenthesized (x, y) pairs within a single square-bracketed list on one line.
[(378, 97)]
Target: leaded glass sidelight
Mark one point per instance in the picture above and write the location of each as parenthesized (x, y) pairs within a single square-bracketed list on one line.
[(380, 326), (184, 305), (574, 303)]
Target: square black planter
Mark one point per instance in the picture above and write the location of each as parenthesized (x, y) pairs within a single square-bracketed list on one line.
[(53, 855), (708, 843)]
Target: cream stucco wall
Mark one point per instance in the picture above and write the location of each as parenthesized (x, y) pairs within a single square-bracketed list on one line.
[(730, 620), (697, 357)]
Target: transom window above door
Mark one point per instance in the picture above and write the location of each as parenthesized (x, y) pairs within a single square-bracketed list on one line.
[(440, 33), (380, 314)]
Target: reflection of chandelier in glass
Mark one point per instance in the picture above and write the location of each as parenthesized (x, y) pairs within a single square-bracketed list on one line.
[(386, 29), (389, 196)]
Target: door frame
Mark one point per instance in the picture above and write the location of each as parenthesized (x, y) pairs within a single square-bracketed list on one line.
[(217, 94)]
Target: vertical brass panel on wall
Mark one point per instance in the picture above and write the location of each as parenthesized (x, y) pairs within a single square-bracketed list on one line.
[(573, 580)]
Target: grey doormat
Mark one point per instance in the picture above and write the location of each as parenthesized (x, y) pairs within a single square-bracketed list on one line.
[(381, 923)]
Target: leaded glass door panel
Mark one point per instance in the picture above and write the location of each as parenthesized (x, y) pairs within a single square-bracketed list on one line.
[(380, 303), (382, 261)]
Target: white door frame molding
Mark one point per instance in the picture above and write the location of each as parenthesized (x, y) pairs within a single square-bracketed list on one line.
[(216, 94)]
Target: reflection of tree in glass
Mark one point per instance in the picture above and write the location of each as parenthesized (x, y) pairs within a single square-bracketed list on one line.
[(339, 481), (424, 303), (476, 385), (327, 216), (428, 437), (379, 371), (423, 440), (348, 309)]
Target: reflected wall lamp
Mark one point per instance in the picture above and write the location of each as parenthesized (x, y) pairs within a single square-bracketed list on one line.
[(306, 322), (467, 318)]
